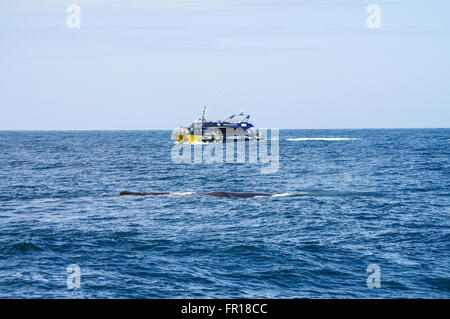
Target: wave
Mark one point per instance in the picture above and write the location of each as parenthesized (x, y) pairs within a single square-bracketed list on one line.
[(337, 193), (326, 194), (323, 139), (24, 247)]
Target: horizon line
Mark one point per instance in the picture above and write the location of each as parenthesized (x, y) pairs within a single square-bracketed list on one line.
[(166, 129)]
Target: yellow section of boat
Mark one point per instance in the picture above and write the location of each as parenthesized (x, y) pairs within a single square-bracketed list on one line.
[(190, 138)]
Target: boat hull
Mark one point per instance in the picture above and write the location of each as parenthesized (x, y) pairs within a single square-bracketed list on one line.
[(192, 138)]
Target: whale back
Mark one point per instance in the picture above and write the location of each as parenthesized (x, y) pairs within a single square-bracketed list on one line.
[(124, 193), (214, 194)]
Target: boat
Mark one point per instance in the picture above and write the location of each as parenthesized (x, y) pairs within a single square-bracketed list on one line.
[(234, 127)]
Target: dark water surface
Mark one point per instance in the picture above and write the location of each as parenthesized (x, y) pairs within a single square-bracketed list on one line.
[(381, 197)]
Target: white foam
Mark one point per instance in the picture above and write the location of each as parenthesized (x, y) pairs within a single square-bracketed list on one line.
[(323, 139), (289, 194), (107, 195), (181, 193)]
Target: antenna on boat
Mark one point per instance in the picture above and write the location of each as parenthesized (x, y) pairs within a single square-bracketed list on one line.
[(205, 109)]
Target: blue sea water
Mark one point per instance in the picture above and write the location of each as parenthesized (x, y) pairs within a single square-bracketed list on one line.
[(355, 198)]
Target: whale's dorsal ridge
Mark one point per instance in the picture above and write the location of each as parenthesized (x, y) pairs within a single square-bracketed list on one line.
[(214, 194)]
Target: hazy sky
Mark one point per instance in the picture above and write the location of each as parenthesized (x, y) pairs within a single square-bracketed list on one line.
[(290, 64)]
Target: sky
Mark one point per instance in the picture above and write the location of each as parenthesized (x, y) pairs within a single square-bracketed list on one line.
[(154, 64)]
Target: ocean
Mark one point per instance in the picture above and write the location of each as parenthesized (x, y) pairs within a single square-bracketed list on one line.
[(343, 200)]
